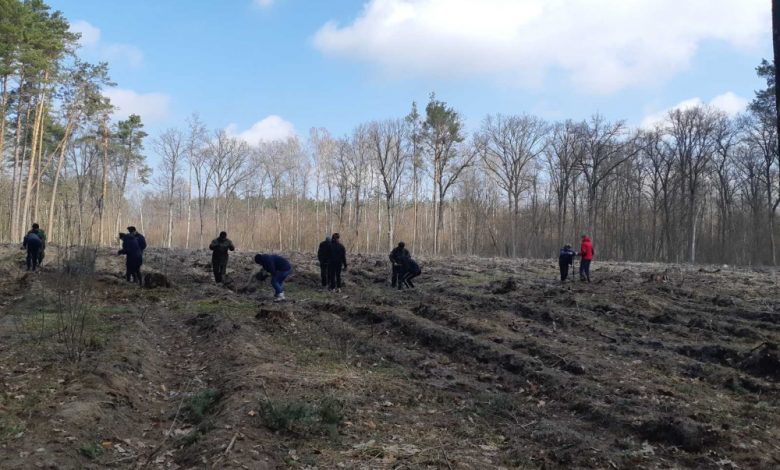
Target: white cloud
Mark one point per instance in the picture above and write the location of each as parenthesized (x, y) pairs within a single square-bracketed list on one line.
[(90, 35), (111, 52), (268, 129), (601, 45), (729, 103), (150, 106)]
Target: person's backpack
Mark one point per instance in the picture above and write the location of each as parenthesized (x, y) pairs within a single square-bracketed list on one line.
[(31, 239)]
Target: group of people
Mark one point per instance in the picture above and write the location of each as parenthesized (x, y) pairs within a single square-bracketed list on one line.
[(332, 257), (331, 254), (567, 255), (275, 266)]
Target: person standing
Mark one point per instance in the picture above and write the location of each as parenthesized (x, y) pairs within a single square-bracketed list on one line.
[(398, 257), (36, 229), (139, 238), (323, 256), (586, 254), (337, 260), (565, 260), (32, 243), (132, 250), (220, 247), (279, 269)]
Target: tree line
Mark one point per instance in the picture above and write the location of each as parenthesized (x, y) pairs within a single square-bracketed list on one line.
[(699, 186)]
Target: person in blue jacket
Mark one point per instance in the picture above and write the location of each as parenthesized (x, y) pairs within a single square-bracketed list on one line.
[(566, 259), (279, 269), (132, 249)]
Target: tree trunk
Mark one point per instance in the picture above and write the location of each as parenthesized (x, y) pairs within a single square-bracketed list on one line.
[(60, 163), (33, 152), (104, 185), (189, 208)]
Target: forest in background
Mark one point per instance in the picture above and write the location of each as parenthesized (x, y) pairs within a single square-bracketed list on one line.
[(699, 186)]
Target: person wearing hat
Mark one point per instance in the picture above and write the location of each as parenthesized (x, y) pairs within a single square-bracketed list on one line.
[(398, 258), (279, 269), (220, 247), (323, 256), (565, 260), (336, 260)]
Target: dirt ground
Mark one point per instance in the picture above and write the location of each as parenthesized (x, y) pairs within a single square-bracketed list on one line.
[(489, 363)]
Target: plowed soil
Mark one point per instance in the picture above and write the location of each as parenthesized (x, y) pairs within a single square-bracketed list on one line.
[(488, 363)]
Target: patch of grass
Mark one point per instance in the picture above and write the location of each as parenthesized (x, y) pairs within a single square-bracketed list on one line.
[(472, 279), (302, 417), (9, 429), (91, 450), (497, 405), (198, 406)]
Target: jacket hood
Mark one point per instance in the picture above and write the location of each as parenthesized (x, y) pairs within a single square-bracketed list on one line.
[(586, 238)]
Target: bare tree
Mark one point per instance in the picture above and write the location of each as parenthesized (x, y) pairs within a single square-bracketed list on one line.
[(390, 160), (692, 139), (562, 154), (509, 145), (171, 147), (603, 151)]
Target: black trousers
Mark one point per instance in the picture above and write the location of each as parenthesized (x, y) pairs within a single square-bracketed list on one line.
[(33, 258), (324, 274), (133, 269), (334, 276), (407, 279), (219, 266), (564, 271), (585, 270), (396, 275)]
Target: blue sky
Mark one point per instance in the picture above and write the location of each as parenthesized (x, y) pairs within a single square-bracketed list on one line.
[(335, 64)]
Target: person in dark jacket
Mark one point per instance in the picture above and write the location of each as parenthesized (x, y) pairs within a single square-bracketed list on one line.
[(565, 260), (220, 247), (36, 229), (336, 261), (398, 257), (140, 238), (279, 269), (410, 271), (323, 256), (32, 243), (132, 250), (586, 253)]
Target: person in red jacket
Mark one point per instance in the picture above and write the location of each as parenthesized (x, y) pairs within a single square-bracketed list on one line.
[(586, 252)]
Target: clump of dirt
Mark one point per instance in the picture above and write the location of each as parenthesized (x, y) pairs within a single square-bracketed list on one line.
[(713, 353), (506, 286), (205, 322), (679, 432), (277, 316), (156, 280), (763, 361), (656, 277)]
